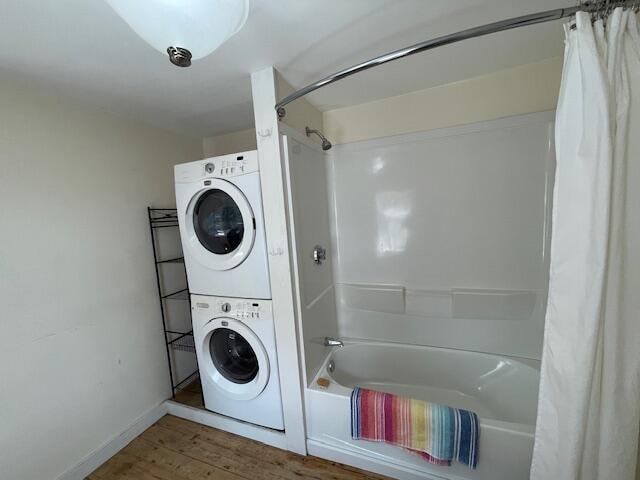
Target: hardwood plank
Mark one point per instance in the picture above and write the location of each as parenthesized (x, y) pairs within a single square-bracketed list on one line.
[(127, 466), (177, 449), (160, 463), (229, 443), (191, 395), (195, 446), (222, 439), (192, 399)]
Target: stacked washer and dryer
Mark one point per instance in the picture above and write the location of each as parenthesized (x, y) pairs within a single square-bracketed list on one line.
[(222, 231)]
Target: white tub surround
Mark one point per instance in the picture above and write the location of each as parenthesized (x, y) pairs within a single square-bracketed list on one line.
[(501, 390), (441, 237), (306, 168)]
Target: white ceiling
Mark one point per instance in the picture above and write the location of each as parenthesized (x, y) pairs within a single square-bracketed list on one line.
[(82, 47)]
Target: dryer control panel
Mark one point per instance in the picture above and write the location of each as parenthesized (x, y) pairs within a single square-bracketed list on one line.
[(241, 309), (224, 166)]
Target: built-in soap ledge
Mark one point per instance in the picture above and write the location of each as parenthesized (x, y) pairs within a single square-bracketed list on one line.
[(376, 298), (493, 304), (467, 303), (429, 303)]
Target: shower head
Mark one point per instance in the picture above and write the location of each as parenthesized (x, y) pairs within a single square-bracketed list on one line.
[(326, 144)]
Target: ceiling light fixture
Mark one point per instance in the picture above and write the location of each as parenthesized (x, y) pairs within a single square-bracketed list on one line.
[(185, 29)]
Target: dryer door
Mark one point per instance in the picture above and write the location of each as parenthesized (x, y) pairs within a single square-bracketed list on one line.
[(220, 225), (234, 358)]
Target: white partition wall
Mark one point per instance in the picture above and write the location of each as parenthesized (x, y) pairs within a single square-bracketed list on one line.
[(441, 237), (271, 161)]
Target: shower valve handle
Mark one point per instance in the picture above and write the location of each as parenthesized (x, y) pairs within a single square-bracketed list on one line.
[(319, 255)]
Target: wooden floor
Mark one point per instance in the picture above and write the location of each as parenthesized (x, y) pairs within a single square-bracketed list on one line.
[(176, 449), (191, 395)]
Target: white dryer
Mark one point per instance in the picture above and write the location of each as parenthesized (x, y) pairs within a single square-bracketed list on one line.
[(221, 226), (236, 350)]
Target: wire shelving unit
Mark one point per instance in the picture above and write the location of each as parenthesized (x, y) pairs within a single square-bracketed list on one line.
[(174, 340)]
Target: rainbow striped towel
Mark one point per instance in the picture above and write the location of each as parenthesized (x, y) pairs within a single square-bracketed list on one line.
[(437, 433)]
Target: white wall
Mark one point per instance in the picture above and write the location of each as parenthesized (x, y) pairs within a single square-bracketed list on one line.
[(440, 236), (299, 115), (240, 141), (81, 350), (524, 89), (528, 88)]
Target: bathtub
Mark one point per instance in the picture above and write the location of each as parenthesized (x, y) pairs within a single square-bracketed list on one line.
[(503, 392)]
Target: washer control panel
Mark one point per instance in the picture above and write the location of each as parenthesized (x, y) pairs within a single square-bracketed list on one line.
[(241, 309), (248, 311)]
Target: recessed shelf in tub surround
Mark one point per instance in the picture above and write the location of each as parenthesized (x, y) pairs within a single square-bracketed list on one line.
[(503, 322), (466, 303)]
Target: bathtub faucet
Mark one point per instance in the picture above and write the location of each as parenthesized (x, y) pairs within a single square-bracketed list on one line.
[(332, 342)]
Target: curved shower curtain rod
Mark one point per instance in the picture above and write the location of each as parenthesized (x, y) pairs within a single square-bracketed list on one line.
[(508, 24)]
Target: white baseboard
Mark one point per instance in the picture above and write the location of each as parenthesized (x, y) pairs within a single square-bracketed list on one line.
[(112, 446), (265, 435), (341, 455)]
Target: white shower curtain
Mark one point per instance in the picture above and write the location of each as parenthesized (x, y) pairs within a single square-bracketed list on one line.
[(589, 401)]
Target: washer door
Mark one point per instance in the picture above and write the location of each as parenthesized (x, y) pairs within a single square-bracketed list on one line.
[(234, 358), (220, 225)]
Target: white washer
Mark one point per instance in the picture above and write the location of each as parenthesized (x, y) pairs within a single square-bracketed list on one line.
[(222, 227), (236, 350)]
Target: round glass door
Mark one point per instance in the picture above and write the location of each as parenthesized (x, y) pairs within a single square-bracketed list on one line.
[(219, 225), (233, 356), (218, 222)]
